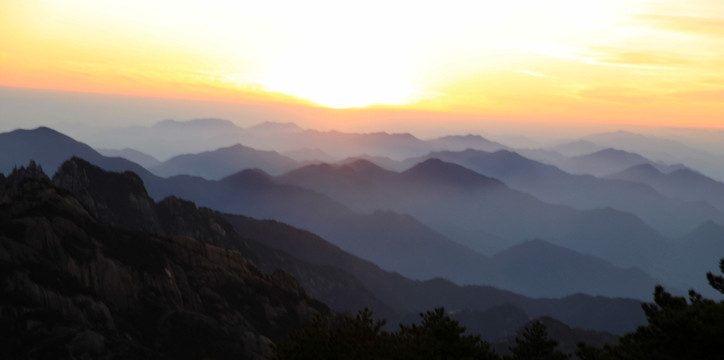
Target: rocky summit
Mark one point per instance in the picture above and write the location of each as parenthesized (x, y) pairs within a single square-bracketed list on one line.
[(90, 270)]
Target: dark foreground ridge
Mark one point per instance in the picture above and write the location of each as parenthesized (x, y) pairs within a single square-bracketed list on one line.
[(76, 287)]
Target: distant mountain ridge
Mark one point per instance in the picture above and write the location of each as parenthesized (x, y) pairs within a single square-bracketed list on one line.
[(51, 148), (665, 150), (577, 148), (162, 140), (604, 162), (671, 216), (489, 204), (617, 237), (169, 138), (223, 162), (135, 156), (683, 183), (463, 142)]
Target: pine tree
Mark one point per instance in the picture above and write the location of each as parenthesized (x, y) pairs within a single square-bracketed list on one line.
[(440, 337), (535, 344), (676, 329), (717, 281)]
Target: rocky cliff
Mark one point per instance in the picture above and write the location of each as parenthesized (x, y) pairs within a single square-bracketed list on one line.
[(85, 277)]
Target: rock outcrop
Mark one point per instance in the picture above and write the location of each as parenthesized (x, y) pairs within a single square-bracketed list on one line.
[(75, 286)]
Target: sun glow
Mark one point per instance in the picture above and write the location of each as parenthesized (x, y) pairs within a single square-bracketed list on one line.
[(472, 56), (332, 53), (341, 69)]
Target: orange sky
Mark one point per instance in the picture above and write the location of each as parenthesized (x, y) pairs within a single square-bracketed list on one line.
[(628, 62)]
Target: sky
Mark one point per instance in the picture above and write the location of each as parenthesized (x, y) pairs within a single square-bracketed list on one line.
[(385, 64)]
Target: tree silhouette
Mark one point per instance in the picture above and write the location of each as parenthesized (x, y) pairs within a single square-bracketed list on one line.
[(717, 281), (535, 345), (676, 329), (358, 337), (440, 337), (437, 337)]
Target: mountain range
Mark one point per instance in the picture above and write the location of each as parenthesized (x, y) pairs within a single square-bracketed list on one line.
[(388, 237), (681, 184), (223, 162), (671, 216), (606, 162), (664, 150)]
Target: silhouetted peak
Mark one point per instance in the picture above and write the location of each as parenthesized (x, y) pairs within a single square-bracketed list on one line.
[(469, 152), (117, 198), (225, 151), (32, 171), (42, 130), (236, 148), (442, 172), (430, 164), (249, 177), (685, 172), (611, 152), (472, 136), (507, 154), (466, 138), (320, 166), (38, 130), (78, 169), (646, 167), (39, 133), (398, 136), (364, 166), (313, 170)]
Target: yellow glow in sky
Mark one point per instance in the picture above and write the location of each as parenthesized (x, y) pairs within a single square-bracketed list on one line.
[(635, 61)]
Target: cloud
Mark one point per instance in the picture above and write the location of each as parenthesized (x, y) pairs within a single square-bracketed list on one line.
[(638, 58), (531, 73), (679, 23), (617, 95)]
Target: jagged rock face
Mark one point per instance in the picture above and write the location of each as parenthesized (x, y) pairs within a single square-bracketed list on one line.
[(181, 217), (75, 287), (119, 199), (122, 200)]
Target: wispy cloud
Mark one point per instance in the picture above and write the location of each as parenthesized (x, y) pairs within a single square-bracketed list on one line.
[(640, 58), (679, 23), (530, 73), (623, 95)]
